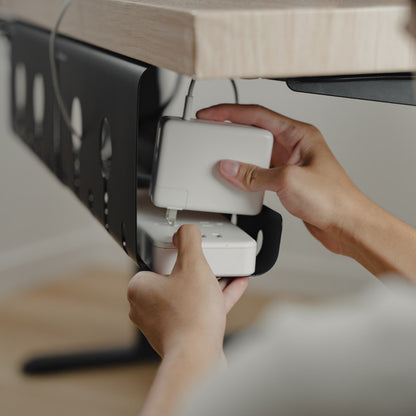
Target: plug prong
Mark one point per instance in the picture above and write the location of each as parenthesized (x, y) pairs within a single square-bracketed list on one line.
[(171, 215)]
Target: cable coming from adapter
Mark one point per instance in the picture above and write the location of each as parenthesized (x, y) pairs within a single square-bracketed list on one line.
[(57, 91), (55, 81), (188, 107)]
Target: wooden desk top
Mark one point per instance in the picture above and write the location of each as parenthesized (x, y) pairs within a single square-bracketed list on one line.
[(239, 38)]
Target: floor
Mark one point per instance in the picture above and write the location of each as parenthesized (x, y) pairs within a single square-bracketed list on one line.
[(81, 312)]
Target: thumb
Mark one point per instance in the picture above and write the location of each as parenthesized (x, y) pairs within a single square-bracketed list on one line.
[(250, 177), (188, 242)]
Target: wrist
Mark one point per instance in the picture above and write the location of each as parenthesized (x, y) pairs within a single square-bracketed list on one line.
[(377, 240), (199, 349), (353, 222), (356, 226), (195, 360), (183, 366)]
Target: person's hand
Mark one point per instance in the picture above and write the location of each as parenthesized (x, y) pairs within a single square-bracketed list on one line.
[(186, 310), (183, 317), (307, 178)]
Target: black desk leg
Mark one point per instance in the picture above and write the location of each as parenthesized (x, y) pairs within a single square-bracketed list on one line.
[(139, 352)]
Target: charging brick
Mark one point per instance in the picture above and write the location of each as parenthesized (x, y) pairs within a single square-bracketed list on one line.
[(185, 175)]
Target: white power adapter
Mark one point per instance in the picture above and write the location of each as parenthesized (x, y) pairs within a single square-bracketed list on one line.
[(185, 175)]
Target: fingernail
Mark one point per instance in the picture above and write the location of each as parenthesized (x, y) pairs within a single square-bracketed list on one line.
[(229, 168)]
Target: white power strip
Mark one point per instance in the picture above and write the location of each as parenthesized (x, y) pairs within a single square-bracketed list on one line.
[(228, 249)]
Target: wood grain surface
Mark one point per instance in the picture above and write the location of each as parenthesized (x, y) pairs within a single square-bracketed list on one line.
[(239, 38)]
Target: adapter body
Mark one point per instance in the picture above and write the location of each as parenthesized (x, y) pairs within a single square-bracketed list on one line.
[(229, 250), (185, 175)]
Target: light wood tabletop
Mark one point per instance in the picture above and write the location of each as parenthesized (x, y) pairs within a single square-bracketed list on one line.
[(239, 38)]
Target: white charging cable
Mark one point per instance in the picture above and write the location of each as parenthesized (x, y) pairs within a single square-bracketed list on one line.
[(189, 100), (188, 107), (54, 72)]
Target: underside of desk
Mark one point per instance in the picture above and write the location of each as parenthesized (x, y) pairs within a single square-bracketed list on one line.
[(234, 38)]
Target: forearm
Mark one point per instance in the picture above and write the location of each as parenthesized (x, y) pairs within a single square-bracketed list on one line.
[(379, 241), (176, 376)]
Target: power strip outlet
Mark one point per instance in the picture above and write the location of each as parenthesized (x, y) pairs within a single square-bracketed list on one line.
[(185, 175), (228, 249)]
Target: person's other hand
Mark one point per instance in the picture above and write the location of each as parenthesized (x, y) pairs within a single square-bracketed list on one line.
[(186, 310), (307, 178)]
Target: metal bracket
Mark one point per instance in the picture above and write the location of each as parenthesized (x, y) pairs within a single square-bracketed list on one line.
[(119, 102), (108, 89), (387, 88)]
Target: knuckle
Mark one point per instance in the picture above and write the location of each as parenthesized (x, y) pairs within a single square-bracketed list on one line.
[(132, 315), (299, 130), (288, 176), (133, 287), (290, 131), (256, 107), (258, 111), (249, 177), (312, 130), (131, 293)]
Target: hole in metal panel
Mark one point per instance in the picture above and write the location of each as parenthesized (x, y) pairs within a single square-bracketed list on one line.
[(77, 166), (76, 122), (123, 237), (38, 102), (77, 184), (259, 241), (20, 87), (106, 149), (90, 199), (106, 199)]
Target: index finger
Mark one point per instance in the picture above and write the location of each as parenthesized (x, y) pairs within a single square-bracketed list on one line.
[(286, 131)]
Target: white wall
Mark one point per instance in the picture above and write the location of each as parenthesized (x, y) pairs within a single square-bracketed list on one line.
[(44, 230)]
